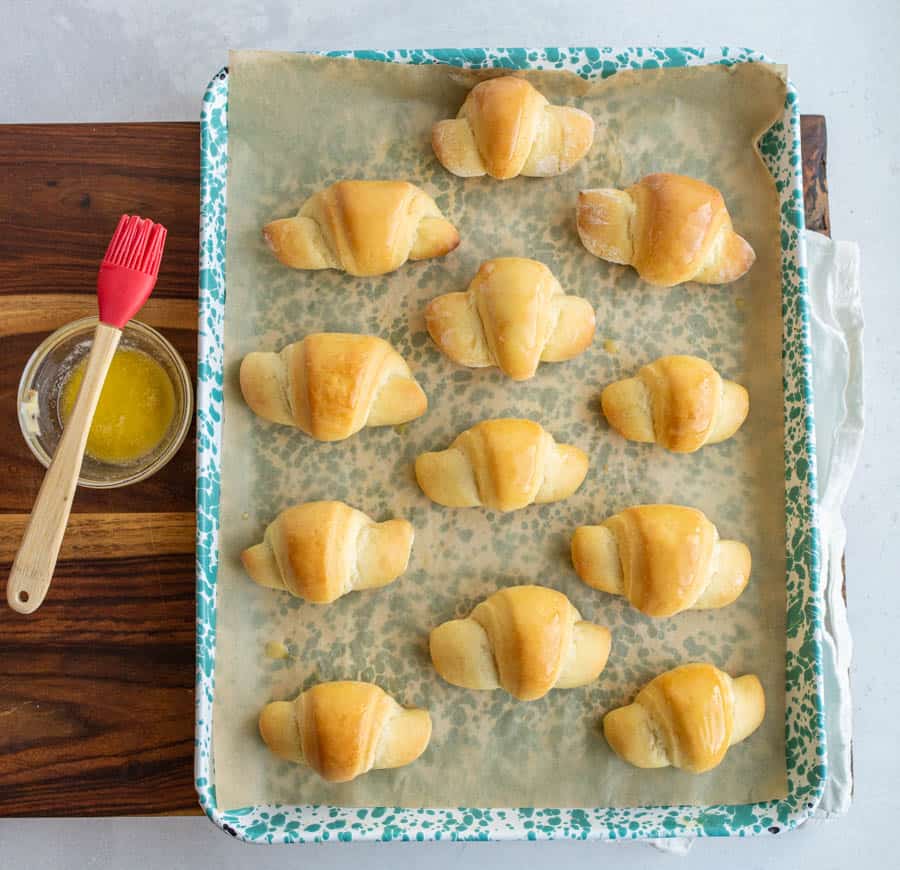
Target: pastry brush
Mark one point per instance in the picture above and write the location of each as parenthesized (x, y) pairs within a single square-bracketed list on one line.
[(127, 277)]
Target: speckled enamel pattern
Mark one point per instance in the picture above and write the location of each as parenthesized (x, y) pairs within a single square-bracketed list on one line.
[(805, 746)]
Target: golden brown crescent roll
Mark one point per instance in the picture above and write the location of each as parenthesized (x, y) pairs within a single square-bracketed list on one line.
[(686, 718), (507, 128), (331, 384), (344, 729), (680, 402), (514, 315), (503, 465), (671, 228), (664, 558), (322, 550), (525, 639), (364, 228)]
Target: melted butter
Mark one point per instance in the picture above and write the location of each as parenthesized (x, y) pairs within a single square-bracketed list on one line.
[(135, 410)]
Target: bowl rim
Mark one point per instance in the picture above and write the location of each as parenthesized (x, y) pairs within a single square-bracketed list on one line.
[(133, 473)]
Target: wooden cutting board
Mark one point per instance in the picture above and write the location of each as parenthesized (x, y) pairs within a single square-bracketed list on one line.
[(96, 687)]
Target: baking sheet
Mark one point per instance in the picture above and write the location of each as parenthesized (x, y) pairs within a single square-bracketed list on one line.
[(298, 123)]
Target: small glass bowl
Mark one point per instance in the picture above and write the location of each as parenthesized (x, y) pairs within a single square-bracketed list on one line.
[(46, 373)]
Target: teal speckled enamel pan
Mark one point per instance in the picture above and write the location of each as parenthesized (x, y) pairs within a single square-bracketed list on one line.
[(805, 738)]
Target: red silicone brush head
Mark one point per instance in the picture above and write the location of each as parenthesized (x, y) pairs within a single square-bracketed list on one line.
[(129, 269)]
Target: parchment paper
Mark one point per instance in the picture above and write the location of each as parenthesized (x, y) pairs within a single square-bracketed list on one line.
[(298, 123)]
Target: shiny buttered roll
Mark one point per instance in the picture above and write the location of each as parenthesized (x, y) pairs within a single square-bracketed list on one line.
[(502, 465), (686, 718), (322, 550), (507, 128), (514, 315), (332, 384), (524, 639), (663, 558), (679, 402), (345, 729), (671, 228), (364, 228)]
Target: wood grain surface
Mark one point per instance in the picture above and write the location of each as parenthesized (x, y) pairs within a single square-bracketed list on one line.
[(96, 687), (814, 145)]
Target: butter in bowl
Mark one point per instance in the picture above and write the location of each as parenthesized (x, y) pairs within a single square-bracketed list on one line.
[(144, 412)]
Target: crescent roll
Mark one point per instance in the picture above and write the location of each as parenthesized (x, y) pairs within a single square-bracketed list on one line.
[(502, 465), (345, 729), (332, 384), (663, 558), (524, 639), (514, 315), (680, 402), (687, 718), (671, 228), (322, 550), (364, 228), (507, 128)]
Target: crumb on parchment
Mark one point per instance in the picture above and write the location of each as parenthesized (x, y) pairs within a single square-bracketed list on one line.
[(276, 650)]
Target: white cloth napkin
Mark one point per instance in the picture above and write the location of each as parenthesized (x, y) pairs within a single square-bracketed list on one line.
[(836, 325)]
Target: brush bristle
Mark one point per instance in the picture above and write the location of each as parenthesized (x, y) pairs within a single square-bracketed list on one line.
[(136, 244)]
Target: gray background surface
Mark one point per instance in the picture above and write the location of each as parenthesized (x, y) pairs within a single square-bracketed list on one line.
[(118, 60)]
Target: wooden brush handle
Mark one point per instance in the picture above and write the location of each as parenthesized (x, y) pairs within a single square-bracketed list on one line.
[(32, 571)]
